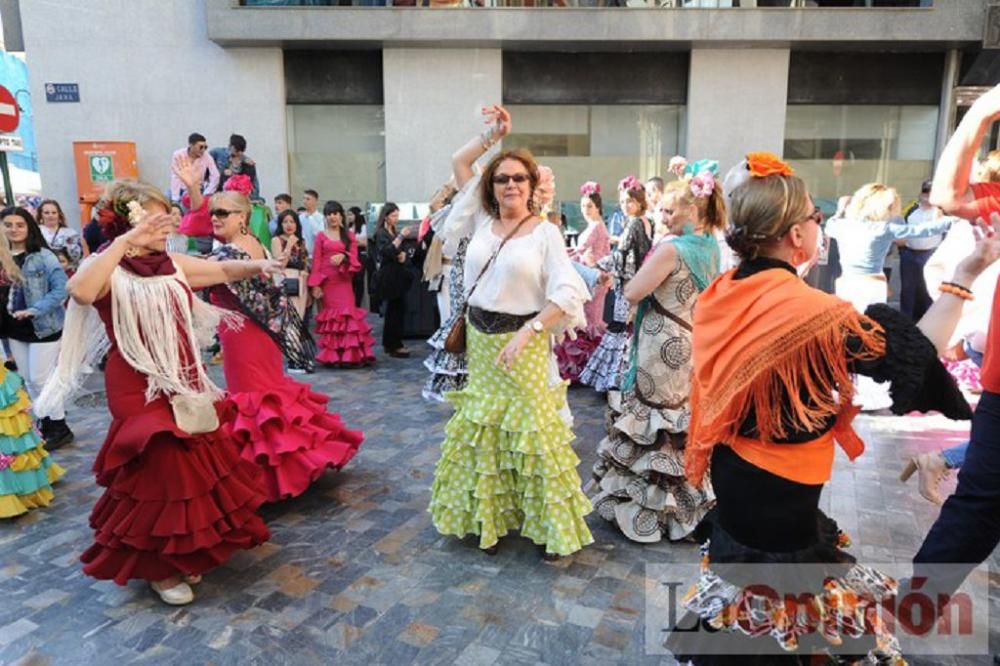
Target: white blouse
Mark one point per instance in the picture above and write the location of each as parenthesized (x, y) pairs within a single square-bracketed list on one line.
[(530, 271)]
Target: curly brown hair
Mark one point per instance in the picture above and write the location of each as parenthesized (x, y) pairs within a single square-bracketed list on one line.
[(486, 196)]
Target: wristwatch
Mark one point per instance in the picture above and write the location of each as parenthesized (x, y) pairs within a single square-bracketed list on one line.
[(535, 326)]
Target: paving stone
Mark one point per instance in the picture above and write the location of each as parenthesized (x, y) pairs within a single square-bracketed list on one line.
[(356, 574)]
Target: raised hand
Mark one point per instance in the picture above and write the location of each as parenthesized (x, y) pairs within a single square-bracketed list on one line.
[(500, 119), (189, 173), (987, 249), (152, 229), (988, 104)]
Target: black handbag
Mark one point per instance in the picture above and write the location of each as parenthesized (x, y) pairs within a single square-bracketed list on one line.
[(291, 286)]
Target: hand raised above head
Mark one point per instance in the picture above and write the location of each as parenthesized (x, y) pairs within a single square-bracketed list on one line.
[(988, 104), (986, 251), (189, 173), (500, 118)]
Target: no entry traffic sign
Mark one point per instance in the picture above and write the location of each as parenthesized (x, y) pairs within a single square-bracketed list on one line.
[(10, 115)]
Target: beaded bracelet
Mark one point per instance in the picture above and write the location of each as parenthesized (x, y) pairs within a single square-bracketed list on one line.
[(486, 139), (956, 290)]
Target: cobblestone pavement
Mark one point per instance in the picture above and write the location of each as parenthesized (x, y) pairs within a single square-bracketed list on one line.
[(356, 574)]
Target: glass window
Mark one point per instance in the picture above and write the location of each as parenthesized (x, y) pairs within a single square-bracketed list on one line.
[(597, 142), (337, 150), (838, 148)]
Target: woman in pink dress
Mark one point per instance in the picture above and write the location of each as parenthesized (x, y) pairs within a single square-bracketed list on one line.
[(345, 338), (594, 244)]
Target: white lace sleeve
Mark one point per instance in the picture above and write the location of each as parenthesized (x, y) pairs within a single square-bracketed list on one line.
[(563, 285), (466, 213)]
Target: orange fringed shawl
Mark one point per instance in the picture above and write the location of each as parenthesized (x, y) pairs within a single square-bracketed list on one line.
[(765, 342)]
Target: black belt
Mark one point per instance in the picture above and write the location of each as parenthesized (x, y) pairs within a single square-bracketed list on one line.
[(491, 323)]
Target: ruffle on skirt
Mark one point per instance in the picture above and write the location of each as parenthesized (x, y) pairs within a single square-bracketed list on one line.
[(640, 470), (26, 470), (506, 463), (572, 355), (841, 616), (291, 436), (449, 372), (606, 367), (344, 336), (174, 504)]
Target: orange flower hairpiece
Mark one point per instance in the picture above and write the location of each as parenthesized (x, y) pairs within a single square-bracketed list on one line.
[(765, 164)]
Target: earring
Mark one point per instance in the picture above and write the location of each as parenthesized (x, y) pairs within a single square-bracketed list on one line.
[(132, 251), (243, 229), (799, 257)]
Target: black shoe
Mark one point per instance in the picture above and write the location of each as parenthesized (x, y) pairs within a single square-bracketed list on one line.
[(10, 364), (56, 434), (399, 353)]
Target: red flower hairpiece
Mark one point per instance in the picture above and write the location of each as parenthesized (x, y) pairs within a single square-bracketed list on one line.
[(239, 183)]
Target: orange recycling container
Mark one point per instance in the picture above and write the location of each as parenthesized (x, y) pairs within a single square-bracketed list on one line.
[(97, 164)]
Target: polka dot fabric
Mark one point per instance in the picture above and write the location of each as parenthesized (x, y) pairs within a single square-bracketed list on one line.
[(506, 462)]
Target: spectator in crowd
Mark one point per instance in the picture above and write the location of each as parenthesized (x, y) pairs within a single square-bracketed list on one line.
[(913, 255), (93, 237), (58, 234), (311, 218), (282, 202), (197, 152), (233, 161)]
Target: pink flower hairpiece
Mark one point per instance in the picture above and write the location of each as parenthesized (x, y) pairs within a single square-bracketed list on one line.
[(239, 183), (590, 187), (703, 185), (545, 191), (677, 165), (629, 183)]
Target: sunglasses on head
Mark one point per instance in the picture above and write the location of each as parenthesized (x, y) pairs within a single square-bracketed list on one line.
[(503, 179), (222, 213), (817, 216)]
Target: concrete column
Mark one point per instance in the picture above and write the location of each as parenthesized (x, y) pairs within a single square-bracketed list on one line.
[(432, 102), (736, 103)]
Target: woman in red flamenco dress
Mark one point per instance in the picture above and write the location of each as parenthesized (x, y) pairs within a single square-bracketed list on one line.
[(345, 338), (178, 500), (278, 423)]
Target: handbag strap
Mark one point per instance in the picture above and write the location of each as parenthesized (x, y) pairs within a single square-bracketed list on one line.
[(496, 252)]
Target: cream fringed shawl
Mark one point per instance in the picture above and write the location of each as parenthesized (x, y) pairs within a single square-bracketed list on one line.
[(155, 320)]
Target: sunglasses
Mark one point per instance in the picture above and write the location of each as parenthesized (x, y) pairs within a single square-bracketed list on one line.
[(222, 213), (817, 216), (503, 179)]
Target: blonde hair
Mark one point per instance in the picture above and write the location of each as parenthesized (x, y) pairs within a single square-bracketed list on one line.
[(874, 202), (762, 210), (711, 210), (989, 169), (7, 263), (236, 198)]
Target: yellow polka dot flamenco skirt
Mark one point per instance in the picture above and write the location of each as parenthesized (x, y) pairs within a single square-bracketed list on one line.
[(506, 462), (26, 471)]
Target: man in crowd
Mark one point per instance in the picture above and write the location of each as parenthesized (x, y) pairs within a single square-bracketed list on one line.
[(197, 152), (282, 202), (913, 254), (311, 218), (233, 160)]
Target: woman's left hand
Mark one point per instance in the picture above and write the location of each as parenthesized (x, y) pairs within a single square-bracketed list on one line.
[(23, 314), (401, 257), (269, 267), (508, 355)]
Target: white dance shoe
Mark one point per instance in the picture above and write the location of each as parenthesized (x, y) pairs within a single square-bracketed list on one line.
[(178, 595)]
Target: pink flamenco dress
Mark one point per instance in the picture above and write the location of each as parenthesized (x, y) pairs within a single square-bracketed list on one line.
[(345, 337), (278, 423), (573, 353), (174, 503)]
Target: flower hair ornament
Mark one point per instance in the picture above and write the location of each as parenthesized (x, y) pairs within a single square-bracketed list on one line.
[(629, 183), (677, 165), (702, 185), (545, 191), (239, 183), (701, 166), (590, 187), (755, 165)]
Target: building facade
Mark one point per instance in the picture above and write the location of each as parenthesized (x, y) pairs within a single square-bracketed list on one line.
[(368, 103)]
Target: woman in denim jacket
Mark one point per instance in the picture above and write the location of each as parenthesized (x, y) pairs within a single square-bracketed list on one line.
[(32, 319)]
